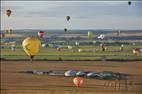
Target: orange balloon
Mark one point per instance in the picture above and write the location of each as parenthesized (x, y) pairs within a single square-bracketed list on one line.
[(8, 12), (78, 81)]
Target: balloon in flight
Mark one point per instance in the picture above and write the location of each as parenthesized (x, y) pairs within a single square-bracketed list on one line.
[(31, 46), (8, 12), (41, 34), (68, 18), (129, 3), (65, 29)]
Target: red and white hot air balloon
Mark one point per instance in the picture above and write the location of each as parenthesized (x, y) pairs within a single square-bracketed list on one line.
[(78, 81), (41, 34)]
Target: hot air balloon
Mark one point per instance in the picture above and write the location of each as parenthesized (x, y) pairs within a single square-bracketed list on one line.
[(31, 46), (8, 12), (65, 29), (102, 36), (78, 81), (41, 34), (68, 18), (90, 35), (129, 3)]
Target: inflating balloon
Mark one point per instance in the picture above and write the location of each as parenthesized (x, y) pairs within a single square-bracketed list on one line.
[(68, 18), (90, 35), (31, 46), (78, 81), (101, 36), (8, 12), (41, 34)]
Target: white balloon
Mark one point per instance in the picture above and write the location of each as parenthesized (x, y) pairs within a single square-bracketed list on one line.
[(101, 36)]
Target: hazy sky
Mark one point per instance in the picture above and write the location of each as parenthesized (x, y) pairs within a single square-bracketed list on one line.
[(84, 15)]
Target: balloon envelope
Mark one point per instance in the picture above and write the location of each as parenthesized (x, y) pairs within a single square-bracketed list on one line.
[(65, 29), (8, 12), (101, 36), (68, 18), (78, 81), (31, 46), (41, 34), (129, 3), (90, 35)]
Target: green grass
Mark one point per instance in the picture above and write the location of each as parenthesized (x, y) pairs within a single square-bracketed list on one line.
[(95, 53)]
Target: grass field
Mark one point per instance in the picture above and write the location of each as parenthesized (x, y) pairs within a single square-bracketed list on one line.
[(13, 63), (88, 53)]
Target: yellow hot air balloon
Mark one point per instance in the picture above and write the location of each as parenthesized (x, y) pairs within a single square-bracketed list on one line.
[(31, 46)]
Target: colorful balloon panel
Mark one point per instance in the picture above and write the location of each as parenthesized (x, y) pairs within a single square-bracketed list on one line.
[(68, 18), (41, 34), (8, 12), (78, 81), (31, 46), (90, 35)]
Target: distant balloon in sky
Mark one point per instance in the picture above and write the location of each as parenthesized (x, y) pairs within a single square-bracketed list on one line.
[(31, 46), (8, 12), (129, 3), (68, 18), (41, 34), (78, 81), (65, 29)]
